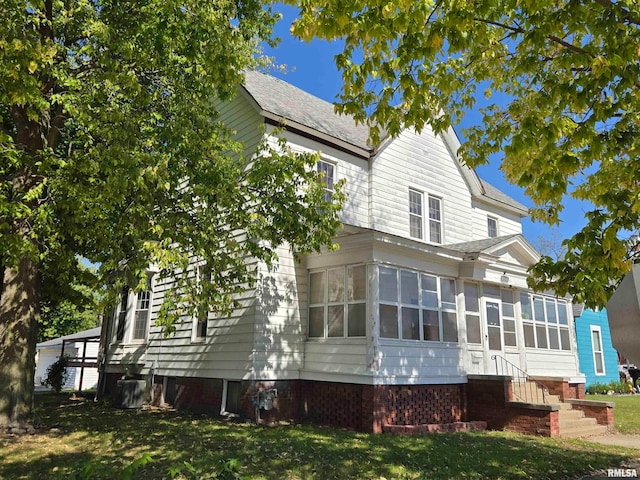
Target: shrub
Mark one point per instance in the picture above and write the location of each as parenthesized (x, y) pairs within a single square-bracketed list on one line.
[(605, 388), (57, 374)]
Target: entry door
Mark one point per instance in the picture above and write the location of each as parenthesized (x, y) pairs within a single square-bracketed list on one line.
[(493, 334)]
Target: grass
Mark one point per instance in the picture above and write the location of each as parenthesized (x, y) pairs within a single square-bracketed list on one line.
[(626, 413), (106, 440)]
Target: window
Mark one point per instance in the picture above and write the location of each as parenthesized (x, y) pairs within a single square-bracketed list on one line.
[(337, 302), (598, 353), (201, 320), (133, 314), (328, 171), (122, 314), (492, 227), (544, 322), (417, 306), (509, 318), (232, 397), (415, 214), (141, 313), (472, 313), (435, 219)]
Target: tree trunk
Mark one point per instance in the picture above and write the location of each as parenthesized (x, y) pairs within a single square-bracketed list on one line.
[(18, 330)]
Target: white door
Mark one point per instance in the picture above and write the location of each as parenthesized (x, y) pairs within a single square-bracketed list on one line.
[(493, 331)]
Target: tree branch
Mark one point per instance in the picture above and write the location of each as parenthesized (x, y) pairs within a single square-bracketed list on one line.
[(627, 15)]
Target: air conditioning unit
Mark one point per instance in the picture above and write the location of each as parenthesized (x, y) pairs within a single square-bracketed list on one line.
[(130, 393)]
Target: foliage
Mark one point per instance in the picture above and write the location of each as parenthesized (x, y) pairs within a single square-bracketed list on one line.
[(561, 80), (613, 386), (57, 374), (113, 438), (112, 149)]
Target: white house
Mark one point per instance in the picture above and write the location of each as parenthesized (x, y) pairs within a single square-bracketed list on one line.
[(81, 348), (426, 293)]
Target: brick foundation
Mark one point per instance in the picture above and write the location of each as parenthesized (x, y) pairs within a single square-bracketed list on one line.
[(406, 409), (564, 389), (490, 399)]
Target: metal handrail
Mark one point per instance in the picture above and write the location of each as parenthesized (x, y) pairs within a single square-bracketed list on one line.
[(529, 393)]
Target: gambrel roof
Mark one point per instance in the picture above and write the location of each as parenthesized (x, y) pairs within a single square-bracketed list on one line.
[(283, 103)]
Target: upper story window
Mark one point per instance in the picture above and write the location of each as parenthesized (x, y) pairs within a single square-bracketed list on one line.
[(417, 216), (337, 302), (492, 227), (545, 322), (435, 219), (328, 170), (416, 220)]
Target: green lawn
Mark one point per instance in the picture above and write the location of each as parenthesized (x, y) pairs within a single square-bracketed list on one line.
[(106, 439), (626, 413)]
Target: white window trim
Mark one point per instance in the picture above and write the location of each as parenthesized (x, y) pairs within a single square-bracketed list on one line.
[(421, 216), (129, 324), (223, 404), (428, 219), (440, 309), (596, 328), (495, 220), (345, 302), (559, 303), (334, 178)]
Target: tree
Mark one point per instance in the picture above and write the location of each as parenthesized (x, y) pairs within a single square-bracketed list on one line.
[(563, 83), (112, 149)]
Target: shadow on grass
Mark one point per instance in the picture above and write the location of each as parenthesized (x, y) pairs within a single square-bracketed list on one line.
[(88, 432)]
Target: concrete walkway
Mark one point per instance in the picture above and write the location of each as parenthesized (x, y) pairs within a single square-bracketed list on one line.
[(628, 441), (629, 470)]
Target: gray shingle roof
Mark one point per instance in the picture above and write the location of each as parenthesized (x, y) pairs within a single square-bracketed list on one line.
[(284, 100), (480, 245), (498, 195), (91, 333)]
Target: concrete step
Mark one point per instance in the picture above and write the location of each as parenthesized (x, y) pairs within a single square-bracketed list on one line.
[(577, 423), (570, 415), (583, 431)]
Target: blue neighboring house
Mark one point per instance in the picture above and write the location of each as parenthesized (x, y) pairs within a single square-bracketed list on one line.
[(598, 359)]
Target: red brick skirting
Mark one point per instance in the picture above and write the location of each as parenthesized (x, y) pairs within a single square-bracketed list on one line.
[(601, 411), (563, 388)]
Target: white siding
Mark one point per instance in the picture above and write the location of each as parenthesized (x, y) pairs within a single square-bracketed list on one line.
[(241, 116), (424, 163), (406, 362), (279, 331), (349, 167), (344, 357), (508, 223), (552, 363)]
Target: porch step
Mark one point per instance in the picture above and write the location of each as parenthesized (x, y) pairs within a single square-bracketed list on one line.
[(583, 430), (573, 423)]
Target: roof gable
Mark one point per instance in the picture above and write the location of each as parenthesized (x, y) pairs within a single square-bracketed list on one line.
[(511, 249), (282, 102)]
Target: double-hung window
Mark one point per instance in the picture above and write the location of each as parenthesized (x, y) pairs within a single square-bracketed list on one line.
[(416, 220), (435, 219), (472, 313), (133, 314), (141, 313), (598, 353), (492, 227), (328, 171)]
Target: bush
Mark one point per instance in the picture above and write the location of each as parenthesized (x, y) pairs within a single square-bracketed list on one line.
[(605, 388), (57, 374)]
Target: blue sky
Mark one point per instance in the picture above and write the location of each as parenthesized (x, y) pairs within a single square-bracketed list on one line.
[(311, 68)]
